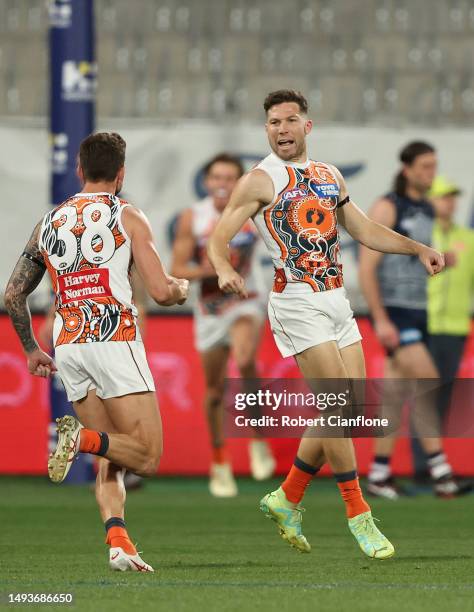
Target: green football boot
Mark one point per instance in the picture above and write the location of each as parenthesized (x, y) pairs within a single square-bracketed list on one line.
[(287, 516), (371, 541)]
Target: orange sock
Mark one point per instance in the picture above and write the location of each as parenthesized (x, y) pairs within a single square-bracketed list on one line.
[(297, 480), (219, 455), (117, 537), (95, 442), (352, 495), (90, 441)]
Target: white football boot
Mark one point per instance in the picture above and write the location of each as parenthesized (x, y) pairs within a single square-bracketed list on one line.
[(120, 561), (222, 482), (67, 448), (262, 462)]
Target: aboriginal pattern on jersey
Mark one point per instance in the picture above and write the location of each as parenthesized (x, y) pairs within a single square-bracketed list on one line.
[(98, 319), (241, 248), (303, 223)]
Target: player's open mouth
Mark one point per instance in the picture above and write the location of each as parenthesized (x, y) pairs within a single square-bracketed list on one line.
[(221, 192), (285, 143)]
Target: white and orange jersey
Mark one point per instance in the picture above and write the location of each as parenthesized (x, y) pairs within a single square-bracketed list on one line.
[(88, 256), (299, 226), (211, 299)]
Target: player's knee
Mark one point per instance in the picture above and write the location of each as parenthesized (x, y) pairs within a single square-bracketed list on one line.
[(148, 468), (150, 464), (246, 364), (214, 396)]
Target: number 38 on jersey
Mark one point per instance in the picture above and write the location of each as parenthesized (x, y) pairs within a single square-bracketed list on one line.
[(86, 234)]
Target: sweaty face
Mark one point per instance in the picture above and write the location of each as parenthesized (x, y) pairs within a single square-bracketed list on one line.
[(220, 182), (421, 173), (287, 128)]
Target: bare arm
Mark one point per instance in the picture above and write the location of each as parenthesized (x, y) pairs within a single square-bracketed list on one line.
[(183, 251), (140, 299), (377, 237), (370, 232), (253, 191), (381, 238), (164, 289), (373, 234), (25, 277), (358, 225)]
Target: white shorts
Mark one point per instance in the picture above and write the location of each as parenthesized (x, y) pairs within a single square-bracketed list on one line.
[(112, 368), (213, 330), (302, 320)]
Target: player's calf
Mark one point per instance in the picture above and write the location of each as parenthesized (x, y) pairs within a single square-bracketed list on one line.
[(142, 458)]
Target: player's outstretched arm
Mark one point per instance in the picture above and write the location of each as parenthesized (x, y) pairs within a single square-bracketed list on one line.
[(253, 190), (184, 247), (381, 238), (164, 289), (26, 276)]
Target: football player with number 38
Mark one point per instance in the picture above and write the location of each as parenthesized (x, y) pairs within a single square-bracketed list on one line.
[(88, 245)]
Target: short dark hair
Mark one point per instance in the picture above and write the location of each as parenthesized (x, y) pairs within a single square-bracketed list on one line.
[(101, 156), (224, 158), (407, 156), (286, 95)]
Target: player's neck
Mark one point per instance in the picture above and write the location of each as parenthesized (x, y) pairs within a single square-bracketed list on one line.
[(219, 205), (102, 187), (415, 194), (299, 160)]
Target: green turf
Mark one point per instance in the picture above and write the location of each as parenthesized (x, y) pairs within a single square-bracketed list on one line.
[(224, 555)]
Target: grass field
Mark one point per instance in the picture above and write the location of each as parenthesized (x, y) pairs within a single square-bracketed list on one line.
[(224, 555)]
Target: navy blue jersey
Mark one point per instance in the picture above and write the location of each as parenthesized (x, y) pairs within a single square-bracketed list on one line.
[(403, 278)]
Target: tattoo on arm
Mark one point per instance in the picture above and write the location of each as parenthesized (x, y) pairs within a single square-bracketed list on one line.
[(25, 278)]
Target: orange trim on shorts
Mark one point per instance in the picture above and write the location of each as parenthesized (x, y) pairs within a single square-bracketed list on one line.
[(279, 281)]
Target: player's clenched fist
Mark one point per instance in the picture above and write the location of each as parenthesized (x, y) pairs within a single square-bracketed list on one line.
[(179, 288), (232, 282), (184, 288), (40, 363), (431, 259)]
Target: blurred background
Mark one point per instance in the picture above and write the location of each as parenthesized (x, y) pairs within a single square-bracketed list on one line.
[(184, 79)]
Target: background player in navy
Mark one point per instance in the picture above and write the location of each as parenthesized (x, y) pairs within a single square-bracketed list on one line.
[(395, 288)]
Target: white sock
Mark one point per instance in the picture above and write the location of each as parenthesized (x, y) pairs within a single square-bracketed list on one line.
[(439, 467), (379, 471)]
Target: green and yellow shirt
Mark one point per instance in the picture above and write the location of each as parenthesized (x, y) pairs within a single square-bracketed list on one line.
[(450, 292)]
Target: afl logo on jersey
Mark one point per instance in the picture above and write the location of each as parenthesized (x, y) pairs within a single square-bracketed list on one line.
[(295, 194)]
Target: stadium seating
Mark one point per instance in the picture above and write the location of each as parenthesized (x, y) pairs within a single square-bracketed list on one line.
[(401, 59)]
